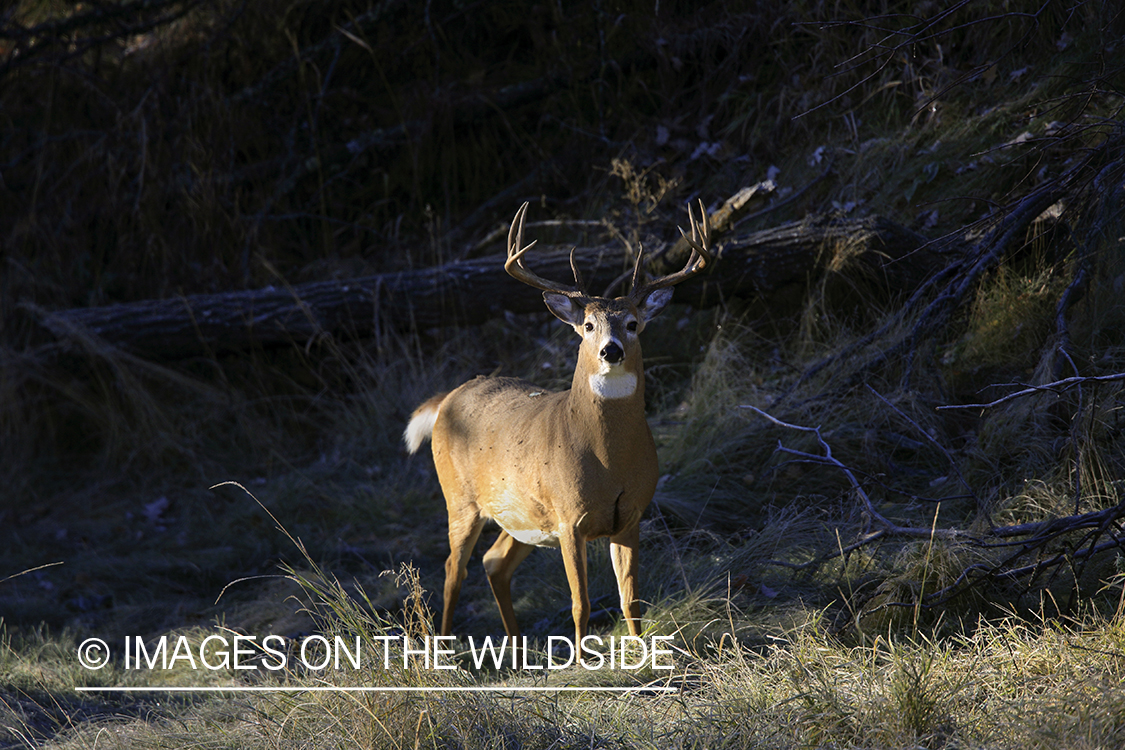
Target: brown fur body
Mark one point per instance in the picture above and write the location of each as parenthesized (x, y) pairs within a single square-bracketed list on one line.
[(552, 469)]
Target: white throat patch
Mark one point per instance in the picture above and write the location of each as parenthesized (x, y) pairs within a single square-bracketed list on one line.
[(616, 383)]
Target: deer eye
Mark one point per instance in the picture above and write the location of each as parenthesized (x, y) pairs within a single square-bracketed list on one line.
[(631, 325), (589, 326)]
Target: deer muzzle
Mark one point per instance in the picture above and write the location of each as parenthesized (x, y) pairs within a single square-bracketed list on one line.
[(612, 353)]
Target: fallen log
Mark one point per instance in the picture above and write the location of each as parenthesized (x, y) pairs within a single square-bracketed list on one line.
[(873, 254), (765, 264)]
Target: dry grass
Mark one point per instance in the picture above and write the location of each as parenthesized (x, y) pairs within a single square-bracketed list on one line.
[(1010, 683)]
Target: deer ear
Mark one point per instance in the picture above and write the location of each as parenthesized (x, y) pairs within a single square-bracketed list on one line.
[(654, 303), (567, 309)]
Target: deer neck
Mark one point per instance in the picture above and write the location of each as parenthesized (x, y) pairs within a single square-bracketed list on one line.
[(609, 395)]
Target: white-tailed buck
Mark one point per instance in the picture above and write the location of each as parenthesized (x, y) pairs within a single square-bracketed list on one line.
[(555, 469)]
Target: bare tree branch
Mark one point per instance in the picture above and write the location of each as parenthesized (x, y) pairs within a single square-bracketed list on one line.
[(1058, 388)]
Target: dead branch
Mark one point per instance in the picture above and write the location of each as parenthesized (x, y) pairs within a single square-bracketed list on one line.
[(933, 304), (1035, 537), (466, 292), (980, 573), (887, 526), (1058, 387)]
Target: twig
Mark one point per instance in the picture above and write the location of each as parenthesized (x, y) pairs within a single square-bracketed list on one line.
[(1057, 387), (829, 460)]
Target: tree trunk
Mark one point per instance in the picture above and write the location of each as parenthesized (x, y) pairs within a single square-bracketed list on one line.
[(769, 264)]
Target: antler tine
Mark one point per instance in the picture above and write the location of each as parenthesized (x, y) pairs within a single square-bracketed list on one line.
[(637, 268), (516, 269), (700, 242), (574, 269), (700, 239)]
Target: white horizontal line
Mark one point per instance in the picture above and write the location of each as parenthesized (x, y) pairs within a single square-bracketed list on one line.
[(330, 689)]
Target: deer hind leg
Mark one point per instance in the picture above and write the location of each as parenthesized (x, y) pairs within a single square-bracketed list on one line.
[(499, 563), (464, 531), (623, 552), (573, 547)]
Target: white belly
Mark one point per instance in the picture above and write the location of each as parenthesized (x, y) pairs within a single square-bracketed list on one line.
[(535, 537), (513, 517)]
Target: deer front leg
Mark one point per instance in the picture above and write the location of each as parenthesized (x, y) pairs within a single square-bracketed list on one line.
[(623, 552), (573, 546), (499, 563), (464, 530)]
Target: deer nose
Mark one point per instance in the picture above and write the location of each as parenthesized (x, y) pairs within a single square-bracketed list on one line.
[(612, 353)]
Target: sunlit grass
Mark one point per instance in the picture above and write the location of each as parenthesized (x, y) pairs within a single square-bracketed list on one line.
[(1006, 683)]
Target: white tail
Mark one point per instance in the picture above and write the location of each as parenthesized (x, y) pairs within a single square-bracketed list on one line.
[(555, 469), (421, 424)]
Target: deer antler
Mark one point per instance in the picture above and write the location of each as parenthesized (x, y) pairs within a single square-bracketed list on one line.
[(516, 269), (700, 242)]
